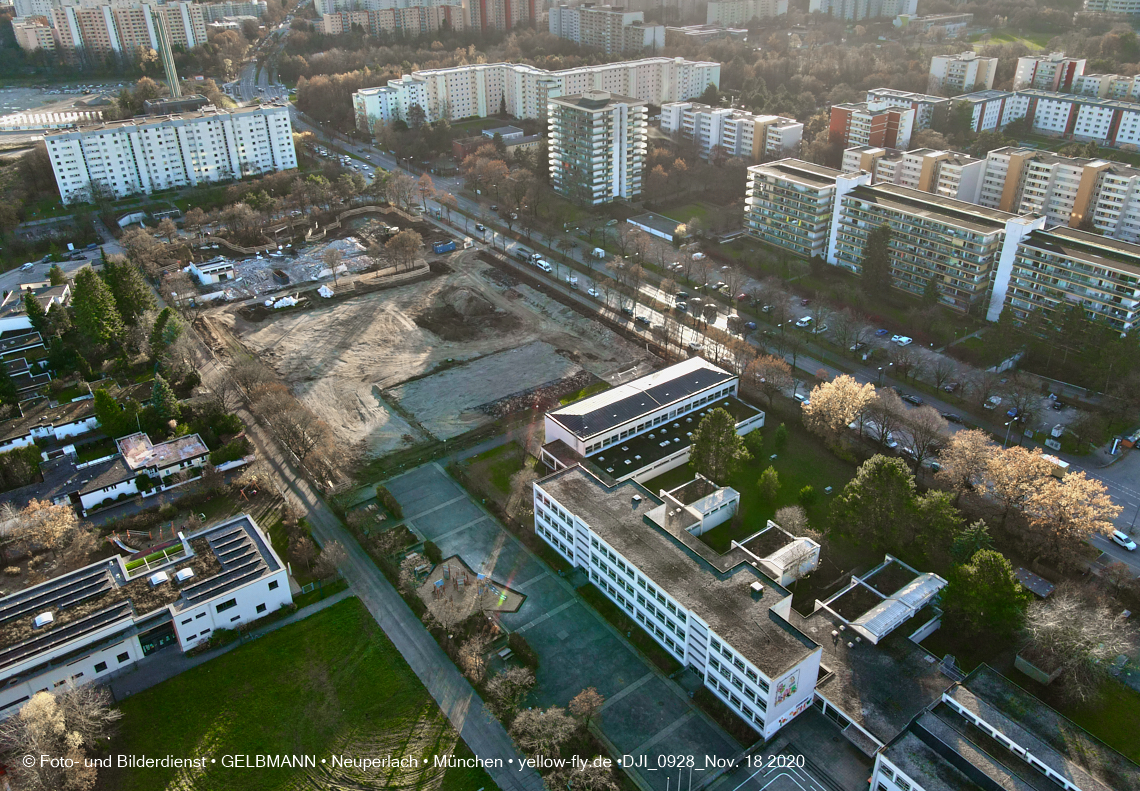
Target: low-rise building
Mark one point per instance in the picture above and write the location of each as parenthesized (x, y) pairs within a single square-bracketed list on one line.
[(962, 73), (790, 203), (90, 624), (874, 123), (216, 270), (642, 428), (951, 25), (987, 732), (141, 466), (41, 422), (676, 34), (1107, 86), (723, 132), (13, 314)]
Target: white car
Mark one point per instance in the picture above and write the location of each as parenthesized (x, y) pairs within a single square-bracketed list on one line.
[(902, 340), (819, 329), (806, 320), (27, 266), (1124, 540), (593, 292)]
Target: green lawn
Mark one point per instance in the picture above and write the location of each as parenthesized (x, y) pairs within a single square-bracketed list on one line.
[(498, 465), (331, 684), (588, 390), (1114, 718), (1033, 41), (802, 462), (688, 212)]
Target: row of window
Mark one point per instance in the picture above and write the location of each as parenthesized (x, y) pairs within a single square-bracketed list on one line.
[(681, 410), (728, 694)]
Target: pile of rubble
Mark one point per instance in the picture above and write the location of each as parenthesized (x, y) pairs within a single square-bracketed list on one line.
[(544, 397), (255, 276)]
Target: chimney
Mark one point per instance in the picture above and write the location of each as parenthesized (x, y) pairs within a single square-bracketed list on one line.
[(757, 591)]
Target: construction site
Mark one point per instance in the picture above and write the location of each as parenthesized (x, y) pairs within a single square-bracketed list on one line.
[(466, 343)]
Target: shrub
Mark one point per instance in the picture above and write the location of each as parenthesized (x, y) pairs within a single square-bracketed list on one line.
[(13, 571), (389, 501), (167, 511), (231, 451), (222, 637), (769, 483), (808, 496), (781, 436), (521, 649), (433, 552)]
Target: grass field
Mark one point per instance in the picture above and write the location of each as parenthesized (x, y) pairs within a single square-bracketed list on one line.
[(1034, 41), (330, 685), (1114, 718), (688, 212), (588, 390), (803, 461)]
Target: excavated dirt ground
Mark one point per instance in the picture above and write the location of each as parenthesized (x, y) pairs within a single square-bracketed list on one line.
[(342, 359)]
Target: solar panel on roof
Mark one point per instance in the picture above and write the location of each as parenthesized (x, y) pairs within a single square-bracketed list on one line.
[(64, 633)]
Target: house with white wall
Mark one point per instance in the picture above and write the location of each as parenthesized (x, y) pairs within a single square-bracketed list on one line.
[(140, 457), (89, 624), (213, 271)]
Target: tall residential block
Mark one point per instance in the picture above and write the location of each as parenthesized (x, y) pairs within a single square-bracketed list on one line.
[(724, 132), (155, 153), (407, 20), (1130, 7), (611, 29), (215, 12), (962, 247), (875, 123), (1053, 72), (33, 32), (963, 73), (102, 28), (522, 91), (928, 110), (790, 203), (501, 15), (946, 173), (856, 10), (597, 146), (741, 12)]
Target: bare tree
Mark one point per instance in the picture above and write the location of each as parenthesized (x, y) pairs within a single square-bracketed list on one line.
[(965, 461), (473, 657), (943, 369), (1015, 474), (543, 731), (249, 374), (793, 518), (587, 704), (925, 431), (1065, 513), (887, 413), (507, 690), (982, 385), (405, 246), (768, 375), (40, 524), (332, 557), (303, 550), (332, 258), (594, 775)]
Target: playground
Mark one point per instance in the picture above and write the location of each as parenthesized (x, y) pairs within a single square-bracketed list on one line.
[(452, 592)]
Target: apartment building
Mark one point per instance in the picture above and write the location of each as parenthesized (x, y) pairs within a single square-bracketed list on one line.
[(88, 625), (928, 110), (724, 132), (411, 20), (501, 15), (675, 34), (790, 203), (104, 28), (962, 73), (952, 25), (987, 732), (741, 12), (33, 32), (522, 91), (1052, 72), (992, 109), (947, 173), (641, 429), (1130, 7), (856, 10), (215, 12), (964, 248), (1107, 86), (162, 152), (874, 123), (1059, 268), (597, 146), (717, 614), (611, 29)]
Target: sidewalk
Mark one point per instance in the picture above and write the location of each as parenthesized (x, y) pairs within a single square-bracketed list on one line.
[(169, 662)]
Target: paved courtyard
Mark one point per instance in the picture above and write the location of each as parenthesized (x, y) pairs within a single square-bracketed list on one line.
[(646, 715)]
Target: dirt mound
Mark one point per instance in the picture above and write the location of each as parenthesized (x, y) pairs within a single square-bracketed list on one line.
[(461, 314), (468, 302)]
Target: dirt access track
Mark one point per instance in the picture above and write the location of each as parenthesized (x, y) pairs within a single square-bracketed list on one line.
[(389, 369)]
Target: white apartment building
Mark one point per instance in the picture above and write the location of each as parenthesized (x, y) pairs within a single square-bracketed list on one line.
[(480, 90), (963, 73), (993, 109), (732, 133), (856, 10), (927, 109), (410, 20), (88, 624), (155, 153), (337, 6), (741, 12), (1131, 7), (215, 12), (946, 173), (597, 146), (1052, 72), (1107, 86), (641, 429), (109, 27), (609, 28), (717, 614)]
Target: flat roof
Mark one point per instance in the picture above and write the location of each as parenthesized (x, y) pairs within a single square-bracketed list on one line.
[(1091, 248), (224, 557), (139, 452), (657, 222), (917, 203), (628, 402), (158, 120), (807, 173), (41, 413), (983, 96), (720, 593), (1057, 742), (596, 100)]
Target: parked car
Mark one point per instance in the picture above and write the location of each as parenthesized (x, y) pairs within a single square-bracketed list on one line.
[(766, 309), (642, 320), (27, 266), (680, 296), (494, 207), (951, 387), (820, 329), (749, 325), (1058, 406), (803, 399), (992, 402), (882, 333), (806, 320), (1124, 540), (480, 227), (950, 417), (910, 398), (682, 306), (902, 340), (856, 346), (593, 292), (805, 302), (694, 346), (627, 310)]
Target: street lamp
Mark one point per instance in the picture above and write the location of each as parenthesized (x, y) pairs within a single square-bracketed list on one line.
[(880, 376), (1008, 427)]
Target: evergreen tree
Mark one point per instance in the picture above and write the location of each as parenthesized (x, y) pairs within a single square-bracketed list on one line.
[(115, 420), (167, 329), (94, 307), (971, 540), (56, 276), (132, 294), (8, 392), (984, 597), (877, 505), (930, 293), (163, 400), (877, 261), (717, 450), (36, 313), (59, 320)]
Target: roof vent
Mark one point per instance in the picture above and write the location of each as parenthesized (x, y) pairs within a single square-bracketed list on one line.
[(183, 574), (158, 579), (757, 590), (636, 500), (43, 619)]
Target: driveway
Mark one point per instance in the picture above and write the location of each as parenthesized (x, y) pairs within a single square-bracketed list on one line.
[(645, 714)]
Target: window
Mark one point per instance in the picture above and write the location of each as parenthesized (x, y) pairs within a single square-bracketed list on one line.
[(226, 605), (200, 615), (235, 618), (261, 608), (99, 668), (188, 620), (123, 657), (273, 585)]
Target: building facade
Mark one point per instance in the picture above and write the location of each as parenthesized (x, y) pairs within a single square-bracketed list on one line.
[(218, 11), (410, 20), (522, 91), (501, 15), (611, 29), (148, 154), (597, 146), (962, 73), (928, 110), (874, 123), (856, 10), (790, 203), (1052, 72), (732, 133), (741, 12), (1130, 7), (946, 173), (85, 625)]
